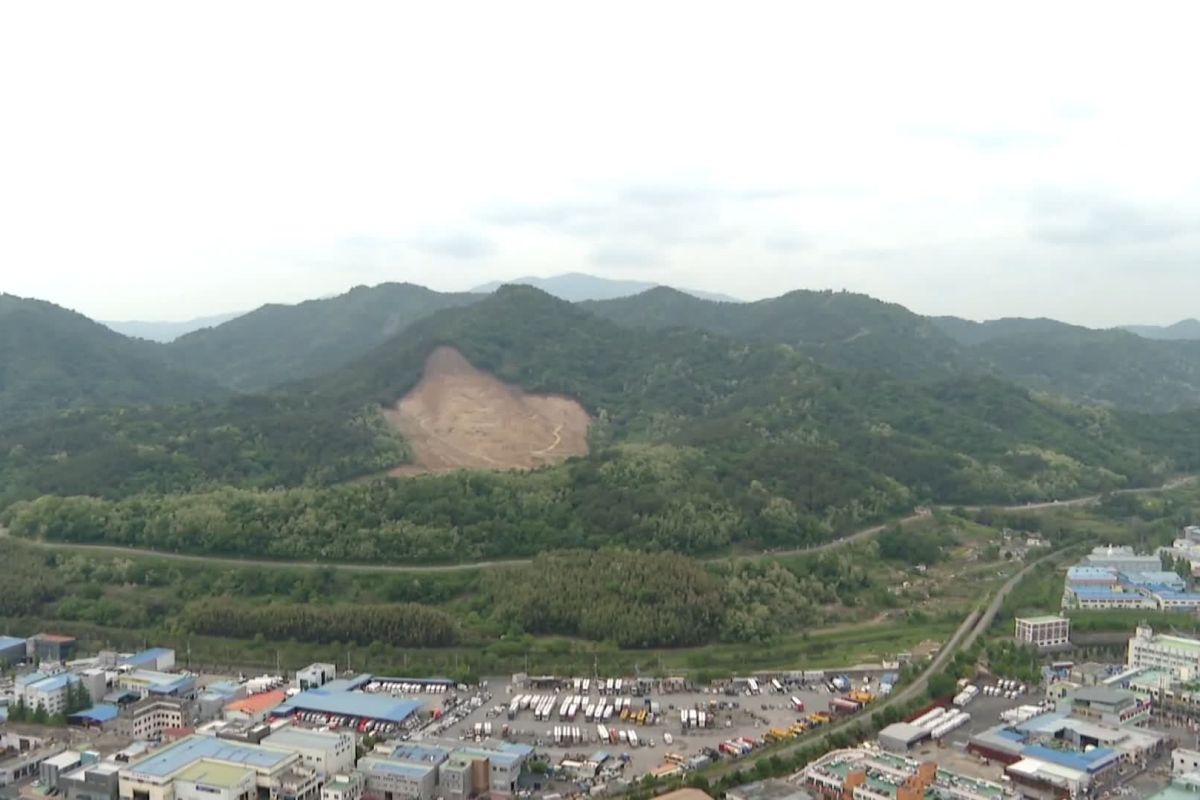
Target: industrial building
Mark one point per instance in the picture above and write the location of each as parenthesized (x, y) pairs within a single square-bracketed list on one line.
[(1121, 559), (150, 683), (255, 708), (51, 647), (12, 650), (870, 773), (95, 781), (1179, 655), (1045, 632), (423, 771), (1054, 754), (326, 752), (156, 659), (348, 786), (149, 718), (1106, 705), (208, 768), (314, 676), (340, 698)]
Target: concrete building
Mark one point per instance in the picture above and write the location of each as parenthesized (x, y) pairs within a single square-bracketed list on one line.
[(1122, 559), (771, 789), (38, 690), (384, 778), (255, 708), (12, 650), (150, 683), (156, 659), (205, 768), (314, 676), (149, 718), (499, 764), (1179, 655), (1095, 598), (98, 781), (1044, 632), (50, 769), (95, 680), (335, 699), (1106, 705), (326, 752), (347, 786), (51, 647), (870, 773)]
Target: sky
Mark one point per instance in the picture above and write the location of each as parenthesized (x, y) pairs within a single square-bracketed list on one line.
[(170, 160)]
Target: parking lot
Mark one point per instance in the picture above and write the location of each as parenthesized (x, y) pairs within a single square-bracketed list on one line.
[(735, 715)]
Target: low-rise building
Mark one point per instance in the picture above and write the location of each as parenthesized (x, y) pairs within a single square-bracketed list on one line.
[(385, 778), (156, 659), (314, 676), (870, 773), (48, 692), (1122, 559), (97, 781), (12, 650), (327, 752), (771, 789), (255, 708), (1107, 705), (1045, 632), (209, 768), (151, 683), (51, 647), (347, 786)]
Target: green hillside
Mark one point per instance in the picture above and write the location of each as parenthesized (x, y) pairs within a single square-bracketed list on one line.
[(969, 332), (841, 330), (52, 360), (280, 343), (700, 443)]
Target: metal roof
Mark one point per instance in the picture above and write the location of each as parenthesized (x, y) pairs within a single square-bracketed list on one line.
[(351, 704), (309, 740), (1090, 761), (10, 641), (383, 765), (166, 761), (98, 713)]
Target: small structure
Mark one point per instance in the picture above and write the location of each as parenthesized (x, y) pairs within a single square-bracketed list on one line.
[(902, 737)]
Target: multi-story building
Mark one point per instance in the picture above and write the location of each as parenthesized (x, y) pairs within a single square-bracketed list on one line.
[(97, 781), (149, 718), (1045, 632), (156, 659), (326, 752), (149, 683), (49, 692), (1178, 654), (1099, 597), (384, 778), (1107, 705), (208, 768)]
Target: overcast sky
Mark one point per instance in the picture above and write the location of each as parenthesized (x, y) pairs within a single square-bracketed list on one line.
[(169, 160)]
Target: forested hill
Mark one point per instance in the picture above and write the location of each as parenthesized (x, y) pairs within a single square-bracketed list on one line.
[(53, 359), (839, 329), (969, 332), (280, 343)]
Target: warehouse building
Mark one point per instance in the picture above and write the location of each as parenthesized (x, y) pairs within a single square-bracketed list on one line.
[(1122, 559), (156, 659), (333, 700), (151, 683), (1179, 655), (208, 768), (1045, 633), (51, 647), (12, 650), (255, 708), (314, 676)]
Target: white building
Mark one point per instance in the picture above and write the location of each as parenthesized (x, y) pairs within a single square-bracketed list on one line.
[(1044, 632), (208, 768), (1179, 655), (314, 676), (45, 691), (348, 786), (327, 752)]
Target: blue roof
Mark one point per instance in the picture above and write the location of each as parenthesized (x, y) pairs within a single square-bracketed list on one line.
[(346, 684), (1100, 593), (54, 682), (1170, 595), (1090, 761), (395, 767), (1154, 576), (100, 713), (10, 641), (350, 704), (419, 681), (226, 688), (411, 751), (1091, 572), (170, 759), (149, 656), (1009, 734)]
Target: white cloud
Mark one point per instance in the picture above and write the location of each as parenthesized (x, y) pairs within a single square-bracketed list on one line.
[(160, 160)]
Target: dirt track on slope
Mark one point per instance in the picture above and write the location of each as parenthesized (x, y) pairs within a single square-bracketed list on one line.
[(459, 417)]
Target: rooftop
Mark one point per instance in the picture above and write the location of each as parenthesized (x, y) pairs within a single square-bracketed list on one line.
[(54, 637), (166, 761), (1103, 695), (212, 773), (384, 765), (1045, 619), (258, 703), (98, 713), (351, 704), (412, 751), (10, 641), (1192, 646), (300, 738)]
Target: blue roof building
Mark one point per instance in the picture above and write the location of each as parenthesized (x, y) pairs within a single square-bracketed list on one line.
[(166, 761), (12, 650), (383, 708)]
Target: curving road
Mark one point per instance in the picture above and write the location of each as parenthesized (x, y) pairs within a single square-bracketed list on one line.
[(857, 536)]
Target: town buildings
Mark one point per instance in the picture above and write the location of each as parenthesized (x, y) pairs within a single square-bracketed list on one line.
[(1178, 655), (870, 773)]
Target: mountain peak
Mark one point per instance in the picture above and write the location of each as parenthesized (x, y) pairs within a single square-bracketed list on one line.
[(576, 287)]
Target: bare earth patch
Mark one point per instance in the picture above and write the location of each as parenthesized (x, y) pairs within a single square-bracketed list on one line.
[(459, 417)]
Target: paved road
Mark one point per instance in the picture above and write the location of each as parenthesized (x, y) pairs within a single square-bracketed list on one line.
[(975, 625), (857, 536)]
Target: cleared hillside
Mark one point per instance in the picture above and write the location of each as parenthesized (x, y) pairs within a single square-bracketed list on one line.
[(459, 417)]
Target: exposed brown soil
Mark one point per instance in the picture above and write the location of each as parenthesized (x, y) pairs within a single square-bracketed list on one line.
[(459, 417)]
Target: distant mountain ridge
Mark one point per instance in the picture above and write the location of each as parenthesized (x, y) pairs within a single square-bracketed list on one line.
[(575, 287), (53, 359), (1184, 329), (166, 331)]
